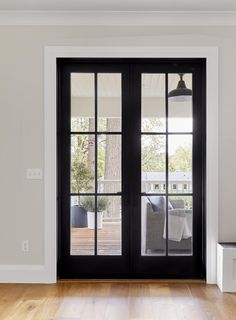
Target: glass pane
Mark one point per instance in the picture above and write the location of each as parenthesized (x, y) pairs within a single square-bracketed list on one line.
[(109, 163), (153, 163), (180, 109), (82, 234), (109, 225), (109, 102), (180, 220), (180, 163), (153, 102), (82, 163), (153, 224), (82, 102)]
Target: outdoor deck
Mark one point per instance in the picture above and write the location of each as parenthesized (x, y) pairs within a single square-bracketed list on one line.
[(109, 240)]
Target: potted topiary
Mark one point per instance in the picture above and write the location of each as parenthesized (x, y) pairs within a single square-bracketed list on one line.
[(81, 179), (88, 202)]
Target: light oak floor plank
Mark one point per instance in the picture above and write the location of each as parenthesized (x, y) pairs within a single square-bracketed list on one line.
[(116, 300)]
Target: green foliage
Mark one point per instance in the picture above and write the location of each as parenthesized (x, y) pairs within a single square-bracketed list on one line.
[(88, 202), (153, 151), (80, 124), (152, 124), (102, 124), (81, 177), (101, 155), (181, 160), (153, 154), (153, 146)]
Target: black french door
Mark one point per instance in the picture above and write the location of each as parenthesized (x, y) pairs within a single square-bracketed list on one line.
[(131, 161)]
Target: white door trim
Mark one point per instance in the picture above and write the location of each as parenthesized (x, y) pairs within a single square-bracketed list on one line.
[(50, 163)]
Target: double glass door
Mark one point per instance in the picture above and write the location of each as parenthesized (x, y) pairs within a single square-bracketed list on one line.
[(131, 168)]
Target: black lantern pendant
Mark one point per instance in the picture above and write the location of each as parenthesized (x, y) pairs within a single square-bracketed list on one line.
[(181, 93)]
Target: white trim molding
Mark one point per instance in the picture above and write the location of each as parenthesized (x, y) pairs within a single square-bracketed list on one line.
[(117, 18), (211, 55), (23, 274)]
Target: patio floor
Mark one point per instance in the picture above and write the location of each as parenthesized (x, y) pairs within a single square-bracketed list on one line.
[(108, 240)]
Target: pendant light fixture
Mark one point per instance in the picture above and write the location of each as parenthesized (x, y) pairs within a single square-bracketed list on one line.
[(181, 93)]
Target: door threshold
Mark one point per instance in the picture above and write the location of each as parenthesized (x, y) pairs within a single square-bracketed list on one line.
[(133, 280)]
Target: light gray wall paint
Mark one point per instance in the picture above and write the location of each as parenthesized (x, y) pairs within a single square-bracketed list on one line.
[(22, 120), (122, 5)]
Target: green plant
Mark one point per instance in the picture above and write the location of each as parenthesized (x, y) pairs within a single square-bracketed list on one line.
[(81, 175), (88, 202)]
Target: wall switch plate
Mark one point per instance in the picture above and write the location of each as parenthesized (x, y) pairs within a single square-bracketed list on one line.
[(25, 245), (34, 173)]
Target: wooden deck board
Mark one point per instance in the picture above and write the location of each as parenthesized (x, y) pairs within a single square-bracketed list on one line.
[(109, 240)]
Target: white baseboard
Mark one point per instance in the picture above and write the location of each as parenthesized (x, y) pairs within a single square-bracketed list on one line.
[(24, 274)]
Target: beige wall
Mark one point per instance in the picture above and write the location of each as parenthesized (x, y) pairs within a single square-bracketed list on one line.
[(22, 125)]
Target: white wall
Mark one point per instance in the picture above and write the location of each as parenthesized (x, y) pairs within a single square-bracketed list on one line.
[(22, 120)]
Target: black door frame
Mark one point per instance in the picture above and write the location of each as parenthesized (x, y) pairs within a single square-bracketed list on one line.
[(131, 198)]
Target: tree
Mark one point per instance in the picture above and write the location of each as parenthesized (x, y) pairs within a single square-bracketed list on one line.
[(112, 165), (113, 153), (181, 160), (81, 173), (153, 146), (153, 153)]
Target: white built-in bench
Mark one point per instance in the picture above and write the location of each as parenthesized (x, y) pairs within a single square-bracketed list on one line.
[(226, 266)]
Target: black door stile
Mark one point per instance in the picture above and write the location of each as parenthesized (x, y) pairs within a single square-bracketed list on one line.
[(131, 264)]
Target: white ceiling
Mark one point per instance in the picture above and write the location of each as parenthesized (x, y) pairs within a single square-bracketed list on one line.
[(109, 84), (121, 5)]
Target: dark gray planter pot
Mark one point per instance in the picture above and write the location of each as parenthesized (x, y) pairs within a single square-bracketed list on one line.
[(78, 217)]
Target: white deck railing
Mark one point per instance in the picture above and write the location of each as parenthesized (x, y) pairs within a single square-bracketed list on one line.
[(156, 186)]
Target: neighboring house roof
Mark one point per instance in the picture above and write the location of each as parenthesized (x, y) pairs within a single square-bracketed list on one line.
[(173, 176)]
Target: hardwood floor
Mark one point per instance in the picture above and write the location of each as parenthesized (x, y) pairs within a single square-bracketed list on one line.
[(116, 300)]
